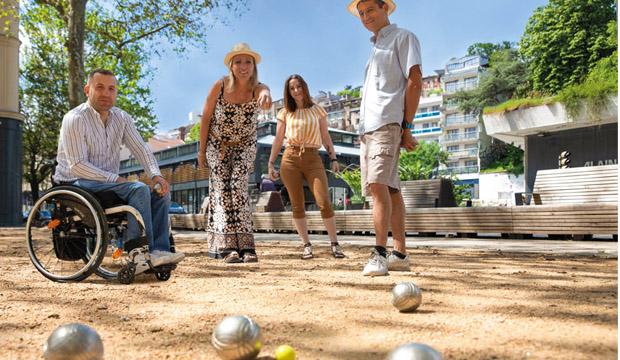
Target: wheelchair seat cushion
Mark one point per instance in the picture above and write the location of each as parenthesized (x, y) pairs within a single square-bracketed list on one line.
[(109, 199)]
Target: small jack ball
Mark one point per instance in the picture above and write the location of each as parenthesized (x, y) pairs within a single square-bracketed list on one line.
[(285, 352)]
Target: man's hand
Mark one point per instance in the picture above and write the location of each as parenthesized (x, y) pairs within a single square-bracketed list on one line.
[(407, 140), (165, 188)]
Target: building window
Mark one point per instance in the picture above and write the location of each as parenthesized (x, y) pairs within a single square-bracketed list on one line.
[(453, 148), (471, 146), (471, 163), (453, 132), (452, 86), (471, 130), (435, 108), (471, 82)]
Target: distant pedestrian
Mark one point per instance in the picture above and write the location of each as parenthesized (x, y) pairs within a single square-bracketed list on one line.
[(391, 92), (228, 148), (304, 124)]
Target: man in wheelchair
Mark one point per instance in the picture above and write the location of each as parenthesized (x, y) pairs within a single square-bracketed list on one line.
[(89, 157)]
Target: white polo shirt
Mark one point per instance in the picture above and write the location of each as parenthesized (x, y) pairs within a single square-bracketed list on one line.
[(394, 52)]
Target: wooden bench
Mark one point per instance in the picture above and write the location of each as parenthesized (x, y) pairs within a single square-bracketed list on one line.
[(574, 201)]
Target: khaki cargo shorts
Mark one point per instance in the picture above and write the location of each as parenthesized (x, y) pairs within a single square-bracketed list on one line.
[(379, 154)]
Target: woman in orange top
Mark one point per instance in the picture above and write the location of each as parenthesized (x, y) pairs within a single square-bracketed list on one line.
[(304, 124)]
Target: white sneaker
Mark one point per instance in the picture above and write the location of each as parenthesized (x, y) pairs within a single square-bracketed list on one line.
[(141, 264), (159, 257), (377, 265), (397, 264)]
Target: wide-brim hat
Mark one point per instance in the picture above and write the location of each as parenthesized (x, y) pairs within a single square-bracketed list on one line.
[(353, 7), (241, 49)]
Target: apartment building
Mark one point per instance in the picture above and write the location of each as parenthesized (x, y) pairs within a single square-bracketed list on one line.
[(461, 131)]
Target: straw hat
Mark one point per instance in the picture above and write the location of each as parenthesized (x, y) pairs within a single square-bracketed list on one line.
[(241, 49), (353, 7)]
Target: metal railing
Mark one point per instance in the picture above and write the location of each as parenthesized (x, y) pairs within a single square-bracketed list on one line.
[(426, 115), (459, 120), (460, 137), (426, 131), (459, 170), (459, 154)]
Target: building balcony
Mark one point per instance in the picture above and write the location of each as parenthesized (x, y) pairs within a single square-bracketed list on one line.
[(426, 115), (453, 121), (427, 131), (459, 170), (452, 88), (450, 138), (463, 154)]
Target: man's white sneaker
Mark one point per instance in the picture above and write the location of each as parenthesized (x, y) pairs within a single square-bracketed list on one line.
[(141, 264), (159, 257), (377, 265), (397, 264)]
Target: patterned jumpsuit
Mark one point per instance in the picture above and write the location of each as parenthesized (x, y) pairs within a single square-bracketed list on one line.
[(231, 151)]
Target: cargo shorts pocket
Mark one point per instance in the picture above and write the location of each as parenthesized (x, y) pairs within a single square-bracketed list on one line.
[(382, 151)]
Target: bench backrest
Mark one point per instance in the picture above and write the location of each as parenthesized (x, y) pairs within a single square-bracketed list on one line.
[(583, 185)]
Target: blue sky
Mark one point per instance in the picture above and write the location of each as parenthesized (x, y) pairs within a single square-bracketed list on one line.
[(329, 47)]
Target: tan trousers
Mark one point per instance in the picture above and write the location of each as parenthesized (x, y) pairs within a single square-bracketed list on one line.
[(297, 165)]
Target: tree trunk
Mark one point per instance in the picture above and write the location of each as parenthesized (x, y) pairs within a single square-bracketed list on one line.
[(75, 50), (34, 181)]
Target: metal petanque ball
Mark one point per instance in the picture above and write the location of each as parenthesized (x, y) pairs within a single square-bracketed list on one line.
[(406, 296), (414, 351), (237, 338), (73, 342)]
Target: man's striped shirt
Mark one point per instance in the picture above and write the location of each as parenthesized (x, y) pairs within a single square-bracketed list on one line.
[(89, 150)]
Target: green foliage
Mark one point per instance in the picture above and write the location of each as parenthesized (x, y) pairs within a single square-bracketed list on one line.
[(506, 77), (194, 134), (461, 193), (487, 49), (499, 156), (420, 163), (515, 104), (352, 176), (565, 39), (602, 81), (350, 92)]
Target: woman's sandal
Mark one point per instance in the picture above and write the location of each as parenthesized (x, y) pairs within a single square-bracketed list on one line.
[(250, 258), (232, 258), (307, 252), (337, 251)]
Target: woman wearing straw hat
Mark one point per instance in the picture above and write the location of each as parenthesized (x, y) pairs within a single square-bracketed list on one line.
[(228, 148)]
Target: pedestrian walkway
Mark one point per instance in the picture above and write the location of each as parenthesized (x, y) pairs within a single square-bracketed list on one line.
[(607, 249)]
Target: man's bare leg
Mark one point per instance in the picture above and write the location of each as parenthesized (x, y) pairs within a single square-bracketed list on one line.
[(398, 222), (382, 209)]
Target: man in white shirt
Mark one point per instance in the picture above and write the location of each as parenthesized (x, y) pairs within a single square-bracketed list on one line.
[(390, 97), (89, 157)]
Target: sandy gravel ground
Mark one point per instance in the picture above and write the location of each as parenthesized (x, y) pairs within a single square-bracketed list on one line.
[(476, 305)]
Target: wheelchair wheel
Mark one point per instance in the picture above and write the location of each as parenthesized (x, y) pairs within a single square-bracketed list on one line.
[(71, 245), (163, 275)]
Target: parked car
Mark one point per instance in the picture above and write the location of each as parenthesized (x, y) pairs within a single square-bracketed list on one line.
[(175, 208), (45, 216)]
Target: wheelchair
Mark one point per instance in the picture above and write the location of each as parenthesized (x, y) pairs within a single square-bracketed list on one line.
[(85, 236)]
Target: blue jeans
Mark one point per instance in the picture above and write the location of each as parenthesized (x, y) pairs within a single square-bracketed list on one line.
[(152, 207)]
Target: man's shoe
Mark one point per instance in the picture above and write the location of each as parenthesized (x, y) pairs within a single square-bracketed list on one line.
[(397, 264), (377, 265), (159, 257), (140, 261)]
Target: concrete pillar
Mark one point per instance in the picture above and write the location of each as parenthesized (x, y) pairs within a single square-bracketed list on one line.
[(10, 118)]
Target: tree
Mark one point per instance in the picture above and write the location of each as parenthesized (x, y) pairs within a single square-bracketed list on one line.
[(117, 38), (349, 92), (129, 22), (420, 163), (506, 77), (487, 49), (194, 133), (563, 41)]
